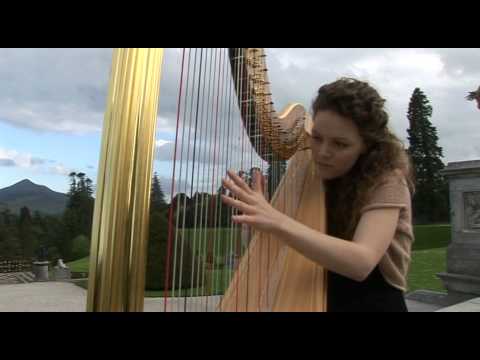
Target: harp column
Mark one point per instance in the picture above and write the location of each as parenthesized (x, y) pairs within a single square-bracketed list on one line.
[(120, 223)]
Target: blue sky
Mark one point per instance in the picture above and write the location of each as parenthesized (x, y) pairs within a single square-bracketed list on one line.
[(52, 101), (47, 158), (55, 149)]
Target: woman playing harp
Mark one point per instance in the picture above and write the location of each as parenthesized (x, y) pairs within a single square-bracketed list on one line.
[(368, 180)]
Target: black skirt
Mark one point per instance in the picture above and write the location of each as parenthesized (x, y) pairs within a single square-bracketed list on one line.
[(373, 294)]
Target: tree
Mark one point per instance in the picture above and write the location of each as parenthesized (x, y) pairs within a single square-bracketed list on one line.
[(474, 95), (10, 246), (26, 234), (157, 201), (430, 203), (50, 233), (78, 216), (224, 211), (80, 247), (276, 170), (180, 256)]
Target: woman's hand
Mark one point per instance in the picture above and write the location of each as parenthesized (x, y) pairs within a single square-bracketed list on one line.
[(256, 210)]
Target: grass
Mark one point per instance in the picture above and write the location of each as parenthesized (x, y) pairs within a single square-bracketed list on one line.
[(222, 240), (220, 280), (424, 267), (431, 236), (428, 259), (429, 254), (80, 265)]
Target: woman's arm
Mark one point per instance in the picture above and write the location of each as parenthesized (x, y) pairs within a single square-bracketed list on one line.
[(354, 259)]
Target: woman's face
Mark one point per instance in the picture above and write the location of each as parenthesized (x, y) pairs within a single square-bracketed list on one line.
[(336, 144)]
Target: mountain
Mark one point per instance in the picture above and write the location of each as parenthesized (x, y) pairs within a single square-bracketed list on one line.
[(35, 197)]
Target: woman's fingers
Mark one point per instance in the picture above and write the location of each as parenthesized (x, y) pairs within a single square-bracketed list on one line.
[(258, 182), (239, 181), (243, 219), (244, 208), (237, 191)]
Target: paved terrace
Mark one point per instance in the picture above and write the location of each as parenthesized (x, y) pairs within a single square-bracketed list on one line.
[(67, 297)]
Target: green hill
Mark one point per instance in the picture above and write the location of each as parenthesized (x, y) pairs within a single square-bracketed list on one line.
[(35, 197)]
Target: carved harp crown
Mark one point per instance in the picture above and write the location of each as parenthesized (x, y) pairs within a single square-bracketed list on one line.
[(210, 263)]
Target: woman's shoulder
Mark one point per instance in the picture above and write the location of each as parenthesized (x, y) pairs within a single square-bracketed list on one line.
[(391, 184), (393, 177), (390, 191)]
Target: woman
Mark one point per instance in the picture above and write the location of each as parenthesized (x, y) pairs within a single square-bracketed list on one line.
[(368, 197)]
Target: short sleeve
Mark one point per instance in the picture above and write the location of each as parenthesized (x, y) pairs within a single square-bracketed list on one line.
[(390, 193)]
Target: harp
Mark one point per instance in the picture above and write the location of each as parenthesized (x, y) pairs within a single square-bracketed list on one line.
[(225, 119)]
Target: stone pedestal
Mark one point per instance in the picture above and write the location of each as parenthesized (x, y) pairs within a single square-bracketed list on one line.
[(61, 271), (61, 274), (40, 270), (462, 278)]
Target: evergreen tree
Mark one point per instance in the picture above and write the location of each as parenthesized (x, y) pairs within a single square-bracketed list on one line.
[(78, 216), (26, 235), (89, 187), (157, 256), (50, 230), (430, 203), (9, 243), (157, 202)]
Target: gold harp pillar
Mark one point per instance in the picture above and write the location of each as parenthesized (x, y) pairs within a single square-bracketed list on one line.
[(122, 205)]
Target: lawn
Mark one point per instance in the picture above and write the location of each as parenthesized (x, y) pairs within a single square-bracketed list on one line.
[(81, 265), (220, 281), (424, 267), (429, 253), (431, 236)]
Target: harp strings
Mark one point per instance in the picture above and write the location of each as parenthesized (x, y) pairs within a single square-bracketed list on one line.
[(172, 192), (204, 247), (211, 174)]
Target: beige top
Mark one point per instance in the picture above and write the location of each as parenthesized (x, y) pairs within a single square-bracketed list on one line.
[(393, 192)]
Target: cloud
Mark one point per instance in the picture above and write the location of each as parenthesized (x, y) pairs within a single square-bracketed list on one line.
[(65, 90), (208, 154), (59, 169), (181, 186), (445, 76), (38, 161), (57, 90), (7, 162), (160, 143), (13, 158)]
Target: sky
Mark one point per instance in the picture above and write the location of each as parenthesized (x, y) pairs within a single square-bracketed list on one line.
[(52, 101)]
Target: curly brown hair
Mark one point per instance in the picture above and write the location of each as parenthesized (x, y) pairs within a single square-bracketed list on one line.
[(360, 102)]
